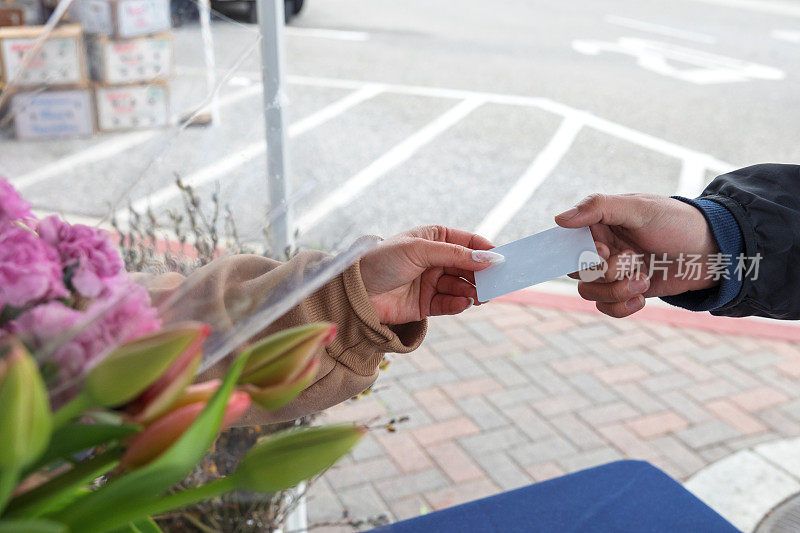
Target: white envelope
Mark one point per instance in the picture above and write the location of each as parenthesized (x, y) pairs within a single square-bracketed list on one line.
[(537, 258)]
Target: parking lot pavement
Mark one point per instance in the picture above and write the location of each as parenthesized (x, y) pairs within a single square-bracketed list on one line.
[(488, 121), (507, 395)]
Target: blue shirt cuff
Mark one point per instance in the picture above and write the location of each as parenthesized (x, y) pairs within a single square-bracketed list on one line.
[(729, 238)]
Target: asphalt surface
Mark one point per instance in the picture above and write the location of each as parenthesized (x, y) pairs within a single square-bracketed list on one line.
[(618, 96)]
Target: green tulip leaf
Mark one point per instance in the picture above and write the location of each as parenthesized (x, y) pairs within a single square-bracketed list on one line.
[(31, 526), (107, 508), (64, 489), (73, 438), (147, 525)]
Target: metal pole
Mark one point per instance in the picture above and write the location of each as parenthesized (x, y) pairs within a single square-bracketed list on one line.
[(208, 57), (271, 22)]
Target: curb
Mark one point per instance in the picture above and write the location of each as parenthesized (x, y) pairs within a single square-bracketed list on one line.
[(672, 316)]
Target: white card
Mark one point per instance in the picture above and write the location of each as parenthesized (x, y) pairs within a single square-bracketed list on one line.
[(537, 258)]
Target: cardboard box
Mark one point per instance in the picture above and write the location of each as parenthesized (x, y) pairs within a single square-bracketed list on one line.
[(53, 114), (132, 107), (60, 61), (120, 62), (122, 19), (11, 16)]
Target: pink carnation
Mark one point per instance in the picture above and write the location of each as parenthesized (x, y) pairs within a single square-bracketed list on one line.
[(124, 314), (30, 270), (87, 250), (12, 206)]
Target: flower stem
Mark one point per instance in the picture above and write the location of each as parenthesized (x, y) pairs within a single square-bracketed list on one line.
[(135, 512), (59, 490), (71, 410)]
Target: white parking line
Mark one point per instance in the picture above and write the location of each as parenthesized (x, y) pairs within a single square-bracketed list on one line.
[(320, 33), (692, 178), (632, 135), (397, 155), (791, 36), (659, 29), (112, 147), (532, 178), (789, 9), (252, 150)]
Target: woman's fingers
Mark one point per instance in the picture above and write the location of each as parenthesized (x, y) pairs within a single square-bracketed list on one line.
[(622, 309), (461, 273), (430, 254), (444, 304), (455, 286)]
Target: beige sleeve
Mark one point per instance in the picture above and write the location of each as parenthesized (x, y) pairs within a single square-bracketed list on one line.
[(229, 289)]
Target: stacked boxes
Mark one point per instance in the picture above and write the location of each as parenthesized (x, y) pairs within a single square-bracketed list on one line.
[(52, 97), (128, 54), (130, 57)]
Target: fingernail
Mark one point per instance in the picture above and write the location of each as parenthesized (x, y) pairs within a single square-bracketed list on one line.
[(634, 304), (568, 214), (471, 302), (485, 256), (638, 286)]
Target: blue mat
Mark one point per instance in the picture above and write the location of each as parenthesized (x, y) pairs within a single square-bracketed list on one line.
[(622, 496)]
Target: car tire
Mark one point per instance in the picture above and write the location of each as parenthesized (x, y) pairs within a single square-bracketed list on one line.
[(298, 6), (289, 9), (252, 12)]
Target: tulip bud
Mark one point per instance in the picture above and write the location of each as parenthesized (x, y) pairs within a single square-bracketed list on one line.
[(275, 396), (283, 356), (284, 459), (162, 395), (162, 433), (131, 369), (25, 419)]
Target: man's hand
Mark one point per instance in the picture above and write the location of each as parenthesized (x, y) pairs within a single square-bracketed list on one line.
[(639, 225), (426, 271)]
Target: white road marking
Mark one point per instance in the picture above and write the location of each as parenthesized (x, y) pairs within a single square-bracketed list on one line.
[(547, 160), (397, 155), (704, 68), (112, 147), (251, 151), (319, 33), (692, 178), (634, 136), (98, 152), (792, 36), (634, 24), (789, 9)]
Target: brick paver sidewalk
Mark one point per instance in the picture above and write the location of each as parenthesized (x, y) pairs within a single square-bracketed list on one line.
[(506, 395)]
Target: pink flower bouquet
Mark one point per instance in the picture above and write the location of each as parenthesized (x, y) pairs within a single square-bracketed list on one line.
[(99, 413)]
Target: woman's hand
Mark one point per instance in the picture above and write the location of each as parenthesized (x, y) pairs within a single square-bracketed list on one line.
[(645, 226), (426, 271)]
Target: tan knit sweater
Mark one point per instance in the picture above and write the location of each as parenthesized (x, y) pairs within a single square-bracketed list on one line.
[(229, 289)]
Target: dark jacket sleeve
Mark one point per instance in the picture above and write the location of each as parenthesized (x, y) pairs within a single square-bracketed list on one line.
[(765, 200)]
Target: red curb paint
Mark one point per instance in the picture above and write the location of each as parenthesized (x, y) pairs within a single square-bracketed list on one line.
[(670, 316)]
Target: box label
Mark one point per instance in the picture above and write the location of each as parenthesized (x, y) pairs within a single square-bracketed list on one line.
[(94, 15), (140, 17), (123, 108), (51, 114), (57, 63), (134, 61)]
